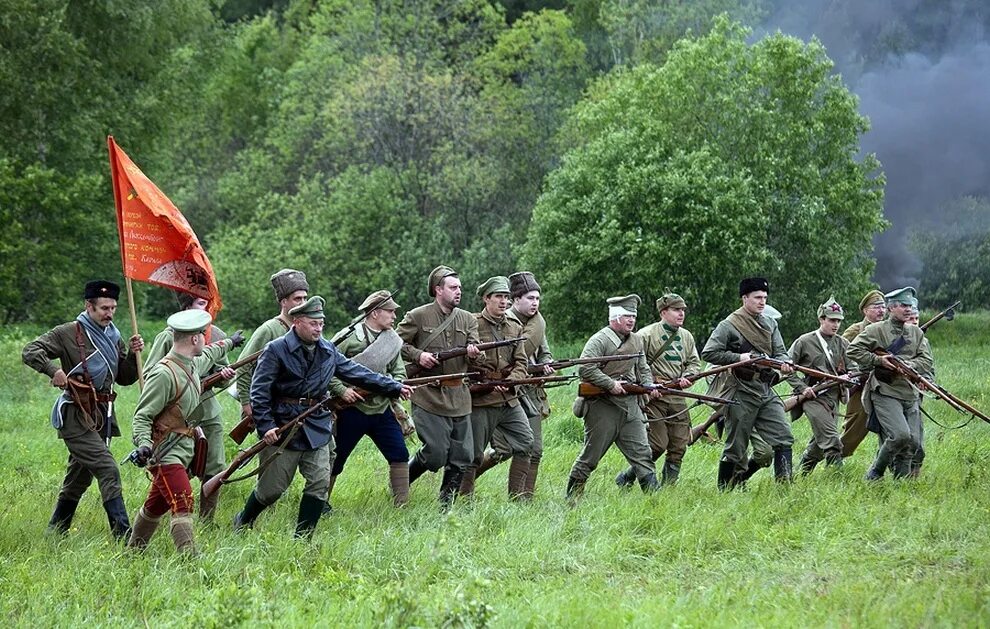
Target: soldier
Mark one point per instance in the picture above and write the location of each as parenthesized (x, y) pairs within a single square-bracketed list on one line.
[(291, 289), (91, 358), (499, 408), (441, 413), (375, 345), (919, 455), (854, 429), (672, 355), (887, 396), (171, 399), (823, 350), (207, 414), (526, 294), (617, 417), (294, 374), (740, 335)]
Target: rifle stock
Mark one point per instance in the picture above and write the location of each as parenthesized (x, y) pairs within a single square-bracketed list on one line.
[(414, 369), (702, 428), (487, 386)]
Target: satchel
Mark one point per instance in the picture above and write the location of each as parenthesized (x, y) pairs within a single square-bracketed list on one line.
[(201, 449)]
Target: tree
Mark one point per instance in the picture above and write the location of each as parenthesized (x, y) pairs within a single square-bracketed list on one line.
[(731, 159)]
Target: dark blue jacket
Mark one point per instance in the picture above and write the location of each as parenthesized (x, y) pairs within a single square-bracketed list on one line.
[(283, 372)]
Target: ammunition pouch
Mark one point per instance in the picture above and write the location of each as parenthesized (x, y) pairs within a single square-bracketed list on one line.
[(197, 467), (884, 375), (83, 396), (169, 420)]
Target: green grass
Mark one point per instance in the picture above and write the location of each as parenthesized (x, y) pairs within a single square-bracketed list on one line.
[(828, 551)]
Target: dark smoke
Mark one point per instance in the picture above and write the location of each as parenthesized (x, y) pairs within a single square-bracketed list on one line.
[(922, 72)]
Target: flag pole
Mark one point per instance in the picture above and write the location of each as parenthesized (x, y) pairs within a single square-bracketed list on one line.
[(123, 261), (134, 326)]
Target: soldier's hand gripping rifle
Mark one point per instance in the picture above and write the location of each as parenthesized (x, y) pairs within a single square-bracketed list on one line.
[(588, 390), (773, 363), (414, 369), (924, 384), (540, 369), (796, 400), (675, 384)]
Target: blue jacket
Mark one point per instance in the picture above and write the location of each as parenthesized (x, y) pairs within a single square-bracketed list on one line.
[(283, 372)]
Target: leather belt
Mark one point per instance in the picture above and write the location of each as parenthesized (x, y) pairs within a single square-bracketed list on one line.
[(299, 401)]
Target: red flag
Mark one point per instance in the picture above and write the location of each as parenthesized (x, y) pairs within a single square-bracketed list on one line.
[(157, 245)]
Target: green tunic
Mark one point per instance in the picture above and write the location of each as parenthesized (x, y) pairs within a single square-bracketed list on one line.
[(354, 345), (916, 354), (807, 351), (679, 357), (534, 399), (266, 332), (607, 342), (511, 359), (209, 407)]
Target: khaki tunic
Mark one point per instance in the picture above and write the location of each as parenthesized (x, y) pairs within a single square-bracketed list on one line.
[(511, 359), (266, 332), (534, 399), (679, 359), (209, 404), (351, 347)]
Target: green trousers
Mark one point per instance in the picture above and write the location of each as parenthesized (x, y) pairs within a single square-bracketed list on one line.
[(763, 413), (509, 422), (605, 424)]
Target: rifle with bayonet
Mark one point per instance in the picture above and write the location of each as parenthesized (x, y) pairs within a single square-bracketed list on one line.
[(588, 390), (539, 369), (948, 314), (924, 384), (339, 337), (414, 369)]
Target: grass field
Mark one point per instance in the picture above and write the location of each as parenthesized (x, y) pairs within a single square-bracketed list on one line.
[(829, 550)]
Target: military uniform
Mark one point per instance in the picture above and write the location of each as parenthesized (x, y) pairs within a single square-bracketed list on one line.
[(828, 354), (441, 413), (173, 381), (854, 423), (291, 377), (500, 410), (609, 418), (87, 436), (758, 407), (889, 397), (373, 417)]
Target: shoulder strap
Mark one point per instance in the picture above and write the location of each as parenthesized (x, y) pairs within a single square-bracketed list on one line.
[(443, 326), (189, 380), (82, 352)]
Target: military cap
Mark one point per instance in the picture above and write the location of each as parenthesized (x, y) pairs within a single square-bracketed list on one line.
[(753, 284), (101, 288), (312, 308), (521, 283), (901, 295), (437, 275), (189, 321), (381, 297), (497, 284), (871, 298), (288, 281), (831, 310), (771, 312), (670, 300), (618, 306)]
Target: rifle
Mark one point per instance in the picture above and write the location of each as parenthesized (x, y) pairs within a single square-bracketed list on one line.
[(586, 389), (339, 337), (702, 428), (213, 380), (538, 369), (710, 372), (948, 314), (244, 456), (773, 363), (794, 401), (925, 384), (487, 386), (414, 369)]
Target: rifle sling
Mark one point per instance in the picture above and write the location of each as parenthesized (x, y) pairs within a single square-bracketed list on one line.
[(439, 330)]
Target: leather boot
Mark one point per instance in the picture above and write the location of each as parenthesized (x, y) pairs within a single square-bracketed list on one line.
[(833, 460), (530, 488), (466, 488), (575, 488), (649, 483), (310, 510), (208, 504), (144, 529), (398, 479), (807, 465), (873, 474), (181, 529), (452, 478), (327, 509), (518, 472), (488, 461), (726, 475), (782, 472), (61, 518), (752, 467), (670, 473), (626, 478), (120, 525), (416, 469), (252, 508)]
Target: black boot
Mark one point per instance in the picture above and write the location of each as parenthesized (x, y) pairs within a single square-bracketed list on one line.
[(62, 516), (575, 488), (120, 525), (310, 510), (416, 469), (752, 467), (252, 508), (649, 483), (726, 480), (807, 465), (327, 507), (451, 483), (670, 473), (782, 472), (833, 460), (626, 478)]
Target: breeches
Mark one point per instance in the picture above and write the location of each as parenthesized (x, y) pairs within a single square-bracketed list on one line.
[(383, 429), (509, 421), (280, 468), (446, 440), (605, 424), (170, 491)]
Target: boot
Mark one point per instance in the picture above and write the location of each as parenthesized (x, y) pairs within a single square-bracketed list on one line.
[(252, 508), (782, 472), (144, 529), (62, 516), (575, 489), (452, 478), (649, 483), (398, 479), (182, 533), (120, 525), (833, 460), (310, 510), (726, 479), (530, 488), (626, 478), (488, 461), (807, 464), (327, 508), (466, 488), (670, 472), (416, 469), (752, 467), (874, 474), (518, 472), (208, 504)]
